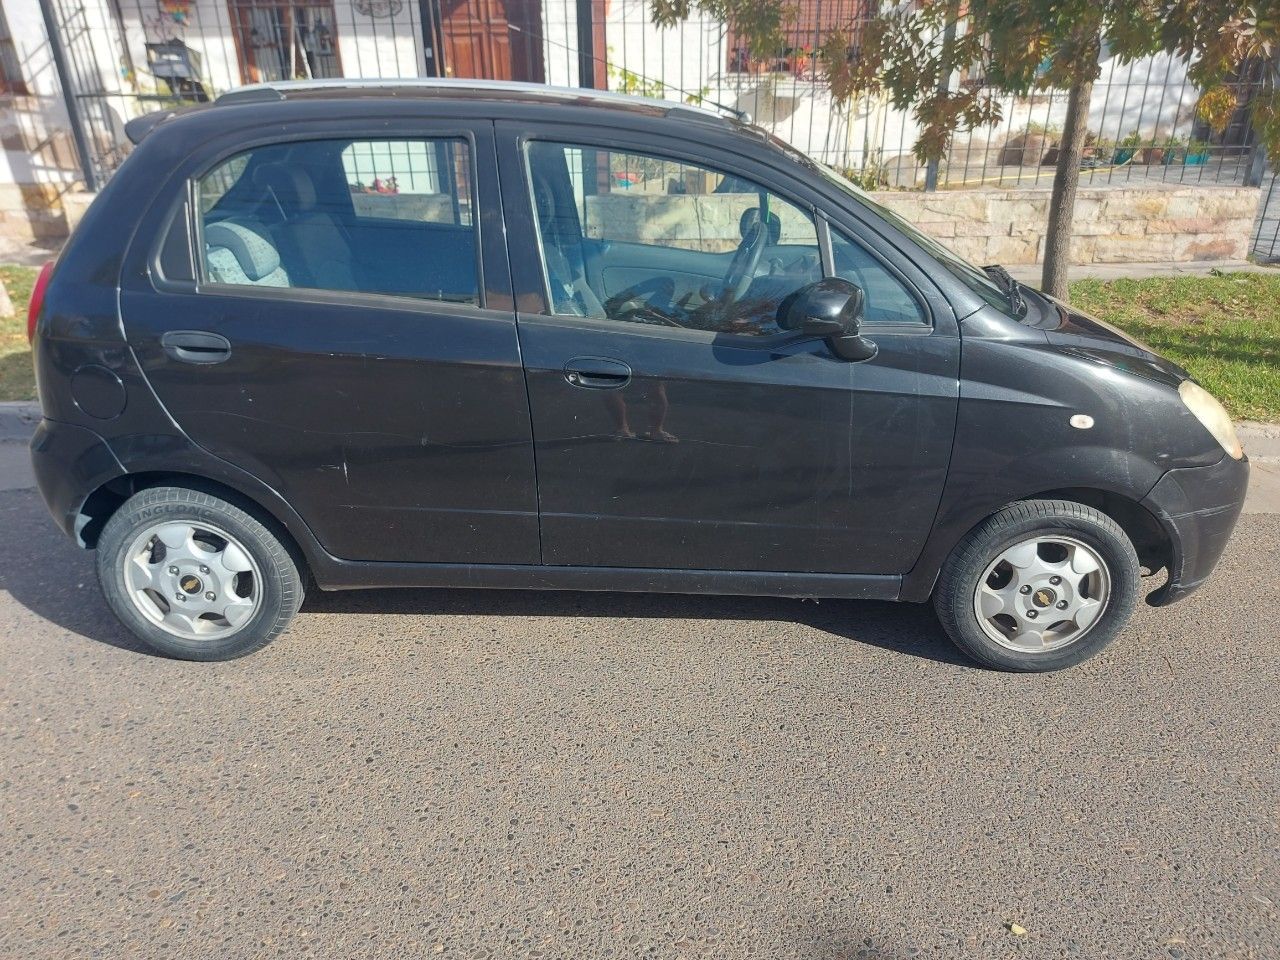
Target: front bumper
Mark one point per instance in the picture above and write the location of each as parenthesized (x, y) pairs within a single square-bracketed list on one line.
[(1198, 508)]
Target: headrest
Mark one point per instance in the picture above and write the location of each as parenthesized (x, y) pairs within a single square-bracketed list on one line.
[(290, 184), (256, 256)]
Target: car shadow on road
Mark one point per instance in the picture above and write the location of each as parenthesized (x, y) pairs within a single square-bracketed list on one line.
[(53, 578), (903, 628), (47, 574)]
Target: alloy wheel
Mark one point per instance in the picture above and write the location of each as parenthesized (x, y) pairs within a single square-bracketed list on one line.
[(192, 579), (1042, 594)]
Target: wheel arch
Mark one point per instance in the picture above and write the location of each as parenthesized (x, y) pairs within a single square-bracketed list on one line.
[(1150, 539), (104, 501)]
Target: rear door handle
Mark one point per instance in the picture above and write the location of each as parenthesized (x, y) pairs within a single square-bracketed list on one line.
[(196, 346), (597, 373)]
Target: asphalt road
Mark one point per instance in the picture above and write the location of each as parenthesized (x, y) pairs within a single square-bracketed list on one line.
[(475, 774)]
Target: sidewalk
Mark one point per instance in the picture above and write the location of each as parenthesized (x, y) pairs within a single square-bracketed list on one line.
[(33, 253), (1029, 273)]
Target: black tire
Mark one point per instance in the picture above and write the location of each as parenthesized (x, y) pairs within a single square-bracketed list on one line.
[(281, 584), (953, 599)]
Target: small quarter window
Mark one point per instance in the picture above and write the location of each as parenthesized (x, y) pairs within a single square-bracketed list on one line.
[(888, 300), (366, 216)]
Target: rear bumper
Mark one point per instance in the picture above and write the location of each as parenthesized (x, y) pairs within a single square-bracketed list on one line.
[(1198, 507), (70, 463)]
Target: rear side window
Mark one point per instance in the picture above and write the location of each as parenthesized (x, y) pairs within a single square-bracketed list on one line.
[(367, 216)]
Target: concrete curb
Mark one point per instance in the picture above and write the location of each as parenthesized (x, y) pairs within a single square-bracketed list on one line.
[(1029, 273), (1261, 441), (18, 420)]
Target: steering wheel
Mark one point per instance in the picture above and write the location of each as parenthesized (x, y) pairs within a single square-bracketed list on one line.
[(648, 301), (742, 268)]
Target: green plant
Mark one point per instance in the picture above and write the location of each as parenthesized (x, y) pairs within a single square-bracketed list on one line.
[(17, 377), (872, 175), (626, 81), (1049, 130)]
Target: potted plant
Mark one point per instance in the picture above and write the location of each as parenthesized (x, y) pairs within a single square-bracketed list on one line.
[(1197, 152), (1153, 156), (1174, 150), (1128, 148)]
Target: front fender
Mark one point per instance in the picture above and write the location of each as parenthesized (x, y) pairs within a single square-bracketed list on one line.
[(1015, 438)]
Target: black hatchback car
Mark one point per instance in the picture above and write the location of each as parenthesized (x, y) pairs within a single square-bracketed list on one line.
[(468, 335)]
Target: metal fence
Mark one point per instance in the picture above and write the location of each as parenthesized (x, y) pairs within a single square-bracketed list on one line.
[(1266, 235), (124, 57)]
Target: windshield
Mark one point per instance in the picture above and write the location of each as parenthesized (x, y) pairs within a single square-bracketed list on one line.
[(972, 277)]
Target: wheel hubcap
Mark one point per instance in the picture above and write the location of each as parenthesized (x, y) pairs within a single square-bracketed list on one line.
[(192, 579), (1042, 594)]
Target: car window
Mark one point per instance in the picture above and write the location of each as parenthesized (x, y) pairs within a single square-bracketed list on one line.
[(366, 216), (887, 299), (641, 238), (972, 277), (394, 179)]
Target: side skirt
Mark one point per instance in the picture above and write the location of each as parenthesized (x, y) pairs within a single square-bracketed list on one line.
[(333, 574)]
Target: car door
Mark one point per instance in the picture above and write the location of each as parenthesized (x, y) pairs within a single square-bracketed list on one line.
[(674, 434), (344, 330)]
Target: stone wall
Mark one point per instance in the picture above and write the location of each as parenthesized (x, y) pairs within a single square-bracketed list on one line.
[(710, 222), (1170, 224), (31, 212), (1149, 224), (1175, 224)]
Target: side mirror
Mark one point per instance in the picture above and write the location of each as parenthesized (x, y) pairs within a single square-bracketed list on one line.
[(831, 309)]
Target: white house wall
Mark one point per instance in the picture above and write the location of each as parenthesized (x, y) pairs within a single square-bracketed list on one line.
[(689, 62)]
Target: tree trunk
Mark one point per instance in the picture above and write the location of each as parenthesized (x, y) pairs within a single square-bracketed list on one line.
[(1066, 178)]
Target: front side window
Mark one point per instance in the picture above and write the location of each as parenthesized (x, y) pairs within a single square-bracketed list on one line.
[(643, 239), (367, 216), (972, 277)]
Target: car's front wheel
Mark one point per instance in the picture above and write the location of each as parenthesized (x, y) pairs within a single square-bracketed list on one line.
[(1041, 585), (196, 577)]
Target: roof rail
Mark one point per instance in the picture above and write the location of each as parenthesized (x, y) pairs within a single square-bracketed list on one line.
[(280, 90)]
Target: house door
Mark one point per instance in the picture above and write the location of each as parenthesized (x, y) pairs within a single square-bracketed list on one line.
[(493, 39)]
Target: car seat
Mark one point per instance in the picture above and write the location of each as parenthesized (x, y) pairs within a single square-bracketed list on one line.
[(313, 247), (240, 253)]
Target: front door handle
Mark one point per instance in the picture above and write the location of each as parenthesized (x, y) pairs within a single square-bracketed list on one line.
[(597, 373), (196, 346)]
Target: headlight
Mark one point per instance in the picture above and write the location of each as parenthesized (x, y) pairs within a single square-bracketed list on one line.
[(1213, 415)]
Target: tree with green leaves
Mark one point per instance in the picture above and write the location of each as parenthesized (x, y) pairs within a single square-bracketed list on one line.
[(909, 52)]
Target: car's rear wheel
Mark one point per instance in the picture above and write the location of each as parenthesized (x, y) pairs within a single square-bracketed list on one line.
[(196, 577), (1041, 585)]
